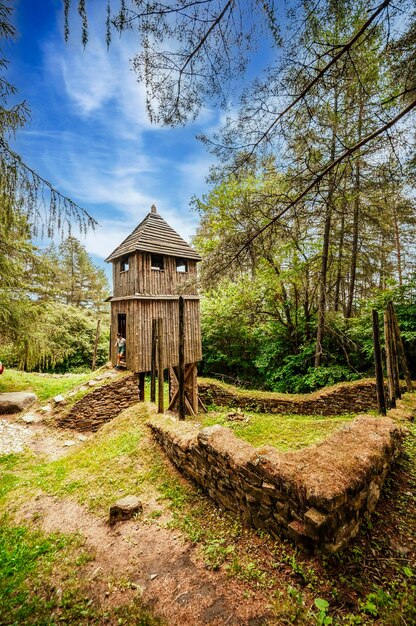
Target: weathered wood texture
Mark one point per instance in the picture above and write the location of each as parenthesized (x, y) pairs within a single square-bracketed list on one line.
[(155, 235), (152, 267), (141, 279), (160, 367), (190, 399), (139, 316), (381, 401)]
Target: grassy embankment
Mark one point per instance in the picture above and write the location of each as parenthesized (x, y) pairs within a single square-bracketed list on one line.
[(372, 582)]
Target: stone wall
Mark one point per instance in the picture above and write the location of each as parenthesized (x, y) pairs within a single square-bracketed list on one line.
[(317, 496), (354, 397), (101, 405)]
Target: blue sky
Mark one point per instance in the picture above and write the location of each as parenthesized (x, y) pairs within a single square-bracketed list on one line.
[(89, 134)]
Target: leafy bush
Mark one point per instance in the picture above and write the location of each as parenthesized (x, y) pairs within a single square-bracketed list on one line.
[(56, 338)]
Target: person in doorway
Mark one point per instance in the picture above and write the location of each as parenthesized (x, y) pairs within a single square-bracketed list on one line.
[(121, 349)]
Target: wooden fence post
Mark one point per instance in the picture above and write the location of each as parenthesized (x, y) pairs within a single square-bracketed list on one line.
[(381, 401), (394, 360), (181, 362), (400, 349), (160, 370), (153, 365), (389, 348)]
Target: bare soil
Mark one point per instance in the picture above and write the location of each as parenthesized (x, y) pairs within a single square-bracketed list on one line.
[(141, 558)]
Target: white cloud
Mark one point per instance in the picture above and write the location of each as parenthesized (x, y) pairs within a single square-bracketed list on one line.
[(93, 141), (95, 77)]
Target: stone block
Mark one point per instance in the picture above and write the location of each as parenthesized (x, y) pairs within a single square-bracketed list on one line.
[(298, 533), (16, 401), (125, 508), (315, 518)]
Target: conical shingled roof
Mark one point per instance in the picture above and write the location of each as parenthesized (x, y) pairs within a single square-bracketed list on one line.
[(155, 235)]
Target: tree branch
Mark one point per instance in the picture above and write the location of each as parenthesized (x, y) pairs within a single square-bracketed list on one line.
[(347, 153)]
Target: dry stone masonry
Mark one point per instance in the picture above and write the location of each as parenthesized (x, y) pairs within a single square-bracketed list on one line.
[(354, 397), (317, 496), (101, 405)]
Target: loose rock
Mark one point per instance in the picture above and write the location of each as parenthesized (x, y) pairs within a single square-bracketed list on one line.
[(29, 418), (16, 401), (125, 508)]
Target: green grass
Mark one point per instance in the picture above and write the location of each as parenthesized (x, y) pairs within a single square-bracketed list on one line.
[(122, 458), (45, 386), (284, 432), (40, 585), (112, 464)]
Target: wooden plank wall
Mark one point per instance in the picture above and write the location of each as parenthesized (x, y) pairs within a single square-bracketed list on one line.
[(141, 279), (139, 315)]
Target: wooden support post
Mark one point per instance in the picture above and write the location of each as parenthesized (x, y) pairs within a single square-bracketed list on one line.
[(160, 370), (153, 364), (400, 349), (381, 401), (388, 348), (142, 377), (175, 394), (181, 362), (194, 382)]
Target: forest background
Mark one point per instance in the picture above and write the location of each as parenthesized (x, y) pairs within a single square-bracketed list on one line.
[(287, 285)]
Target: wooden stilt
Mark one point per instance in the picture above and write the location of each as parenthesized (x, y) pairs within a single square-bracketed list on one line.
[(142, 377), (194, 387), (160, 370), (181, 362), (154, 364)]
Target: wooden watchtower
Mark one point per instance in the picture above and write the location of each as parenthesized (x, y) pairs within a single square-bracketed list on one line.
[(152, 267)]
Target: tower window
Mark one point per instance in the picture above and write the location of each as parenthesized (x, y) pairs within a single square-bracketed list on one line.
[(181, 265), (124, 264), (157, 262)]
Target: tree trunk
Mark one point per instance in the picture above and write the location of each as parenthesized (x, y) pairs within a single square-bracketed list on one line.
[(398, 244), (325, 247), (339, 261), (356, 216)]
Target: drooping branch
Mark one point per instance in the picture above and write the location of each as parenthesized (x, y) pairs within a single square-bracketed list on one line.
[(31, 193)]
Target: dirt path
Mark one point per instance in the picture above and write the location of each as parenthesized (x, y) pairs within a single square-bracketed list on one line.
[(140, 558)]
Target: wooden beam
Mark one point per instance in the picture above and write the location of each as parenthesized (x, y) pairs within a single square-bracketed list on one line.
[(175, 395), (202, 405), (153, 361), (188, 405), (142, 377), (181, 362), (160, 370)]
